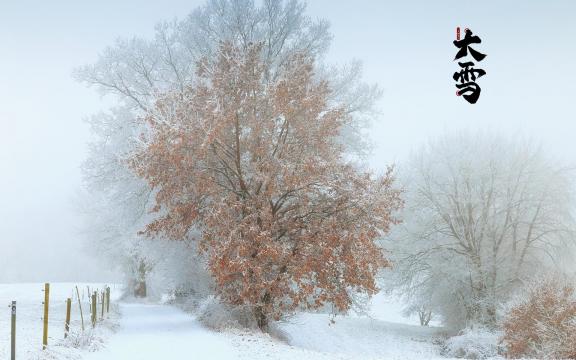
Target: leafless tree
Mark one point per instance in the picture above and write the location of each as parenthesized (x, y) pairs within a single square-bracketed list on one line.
[(483, 214)]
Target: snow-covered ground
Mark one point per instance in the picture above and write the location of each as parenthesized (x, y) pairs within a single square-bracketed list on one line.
[(155, 332), (150, 332), (362, 338), (383, 334), (30, 298)]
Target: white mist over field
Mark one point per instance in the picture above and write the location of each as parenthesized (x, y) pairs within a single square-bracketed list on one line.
[(43, 136)]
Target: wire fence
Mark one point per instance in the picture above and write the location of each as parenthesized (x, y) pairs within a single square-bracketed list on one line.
[(79, 309)]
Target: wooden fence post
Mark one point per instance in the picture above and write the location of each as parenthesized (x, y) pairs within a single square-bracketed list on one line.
[(108, 299), (46, 306), (80, 306), (102, 304), (94, 297), (13, 333), (67, 323)]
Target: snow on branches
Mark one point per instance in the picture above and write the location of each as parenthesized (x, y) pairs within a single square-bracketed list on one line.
[(483, 214), (256, 163), (543, 323)]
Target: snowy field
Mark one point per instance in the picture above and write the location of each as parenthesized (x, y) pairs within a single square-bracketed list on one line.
[(149, 332), (30, 298), (383, 334), (164, 332)]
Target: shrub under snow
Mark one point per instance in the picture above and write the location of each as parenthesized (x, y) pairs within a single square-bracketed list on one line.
[(216, 315), (473, 343), (543, 324)]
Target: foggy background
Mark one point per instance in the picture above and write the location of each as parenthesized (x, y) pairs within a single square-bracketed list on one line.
[(406, 47)]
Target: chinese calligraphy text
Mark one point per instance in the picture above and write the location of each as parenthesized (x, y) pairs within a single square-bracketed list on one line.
[(467, 76)]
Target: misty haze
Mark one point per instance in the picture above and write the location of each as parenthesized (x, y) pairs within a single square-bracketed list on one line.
[(287, 179)]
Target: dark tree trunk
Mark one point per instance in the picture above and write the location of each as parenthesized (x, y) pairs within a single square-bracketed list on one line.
[(140, 282), (261, 319), (260, 313), (140, 289), (425, 317)]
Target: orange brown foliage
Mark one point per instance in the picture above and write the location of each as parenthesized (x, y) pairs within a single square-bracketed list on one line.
[(252, 159), (544, 325)]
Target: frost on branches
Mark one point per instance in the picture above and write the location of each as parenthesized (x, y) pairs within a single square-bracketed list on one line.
[(133, 71), (543, 322), (256, 163), (483, 215)]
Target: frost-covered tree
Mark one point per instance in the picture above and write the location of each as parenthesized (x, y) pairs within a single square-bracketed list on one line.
[(137, 70), (116, 205), (256, 164), (482, 216), (113, 193)]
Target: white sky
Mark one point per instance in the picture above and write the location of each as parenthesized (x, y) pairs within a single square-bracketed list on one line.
[(406, 47)]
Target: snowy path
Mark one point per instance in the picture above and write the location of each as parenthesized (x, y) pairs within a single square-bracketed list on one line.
[(153, 332)]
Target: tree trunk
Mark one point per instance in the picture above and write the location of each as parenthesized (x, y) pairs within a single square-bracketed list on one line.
[(140, 282), (484, 307), (261, 319), (483, 310), (260, 313), (140, 289), (425, 317)]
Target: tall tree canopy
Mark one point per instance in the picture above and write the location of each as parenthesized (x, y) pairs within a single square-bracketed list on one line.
[(255, 162), (137, 70)]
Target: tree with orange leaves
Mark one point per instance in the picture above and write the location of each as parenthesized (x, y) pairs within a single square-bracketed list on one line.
[(255, 163)]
